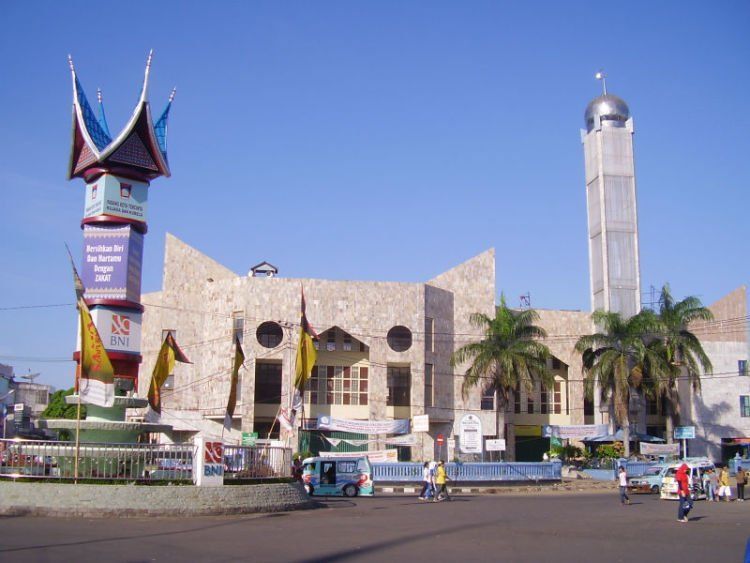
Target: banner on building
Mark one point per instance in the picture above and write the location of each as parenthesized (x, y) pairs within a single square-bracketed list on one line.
[(574, 432), (378, 456), (660, 449), (398, 426), (405, 440)]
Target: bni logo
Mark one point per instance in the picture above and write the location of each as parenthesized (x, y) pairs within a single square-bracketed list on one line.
[(213, 452), (120, 325)]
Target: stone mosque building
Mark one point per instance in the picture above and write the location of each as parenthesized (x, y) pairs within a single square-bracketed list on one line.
[(384, 347)]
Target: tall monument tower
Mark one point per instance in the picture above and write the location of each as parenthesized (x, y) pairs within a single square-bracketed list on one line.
[(117, 172), (611, 199)]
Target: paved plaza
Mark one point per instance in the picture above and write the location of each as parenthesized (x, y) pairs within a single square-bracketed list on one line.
[(571, 527)]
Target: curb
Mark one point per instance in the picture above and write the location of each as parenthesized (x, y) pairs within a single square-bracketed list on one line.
[(498, 490), (130, 501)]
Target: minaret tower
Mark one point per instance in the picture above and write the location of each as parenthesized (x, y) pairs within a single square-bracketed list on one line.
[(612, 213), (117, 173)]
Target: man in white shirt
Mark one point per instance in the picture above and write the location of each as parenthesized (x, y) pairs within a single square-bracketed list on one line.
[(622, 477)]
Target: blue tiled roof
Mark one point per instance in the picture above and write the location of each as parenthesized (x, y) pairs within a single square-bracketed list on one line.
[(103, 121), (160, 130), (98, 135)]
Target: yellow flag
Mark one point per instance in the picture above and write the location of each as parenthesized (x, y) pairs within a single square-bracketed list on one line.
[(306, 353), (168, 354), (96, 385), (239, 359)]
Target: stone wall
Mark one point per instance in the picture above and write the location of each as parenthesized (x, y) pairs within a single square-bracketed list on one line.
[(123, 501)]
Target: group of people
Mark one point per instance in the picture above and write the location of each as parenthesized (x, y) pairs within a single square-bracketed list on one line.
[(716, 486), (434, 482)]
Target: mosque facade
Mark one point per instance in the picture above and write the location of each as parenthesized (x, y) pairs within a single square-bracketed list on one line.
[(384, 347)]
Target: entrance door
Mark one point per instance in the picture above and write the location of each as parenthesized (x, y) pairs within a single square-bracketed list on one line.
[(327, 477)]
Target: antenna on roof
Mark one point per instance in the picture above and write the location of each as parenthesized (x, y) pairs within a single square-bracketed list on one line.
[(603, 77)]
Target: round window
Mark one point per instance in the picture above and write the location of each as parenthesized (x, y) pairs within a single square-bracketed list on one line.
[(269, 334), (399, 339)]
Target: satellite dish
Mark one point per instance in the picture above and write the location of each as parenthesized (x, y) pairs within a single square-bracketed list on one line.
[(31, 376)]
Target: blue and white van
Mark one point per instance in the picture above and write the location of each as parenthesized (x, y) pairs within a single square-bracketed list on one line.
[(338, 476)]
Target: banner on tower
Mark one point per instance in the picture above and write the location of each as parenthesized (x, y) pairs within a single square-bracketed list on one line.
[(112, 260), (117, 197), (120, 330)]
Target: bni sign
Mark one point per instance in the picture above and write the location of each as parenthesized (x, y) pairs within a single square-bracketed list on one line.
[(470, 434)]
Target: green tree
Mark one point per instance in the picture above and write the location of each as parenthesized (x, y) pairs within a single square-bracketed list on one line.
[(57, 408), (681, 349), (508, 357), (617, 358)]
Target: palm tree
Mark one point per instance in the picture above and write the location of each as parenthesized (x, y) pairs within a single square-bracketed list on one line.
[(509, 356), (618, 358), (682, 350)]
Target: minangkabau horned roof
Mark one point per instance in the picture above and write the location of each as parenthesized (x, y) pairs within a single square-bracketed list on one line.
[(140, 150)]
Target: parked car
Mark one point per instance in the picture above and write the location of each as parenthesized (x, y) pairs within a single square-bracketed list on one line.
[(698, 466), (650, 481)]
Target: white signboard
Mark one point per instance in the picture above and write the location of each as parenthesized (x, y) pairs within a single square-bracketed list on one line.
[(118, 197), (660, 449), (120, 330), (208, 463), (470, 434), (420, 423), (495, 445), (684, 432)]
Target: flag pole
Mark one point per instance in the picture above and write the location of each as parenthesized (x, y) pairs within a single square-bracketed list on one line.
[(78, 431)]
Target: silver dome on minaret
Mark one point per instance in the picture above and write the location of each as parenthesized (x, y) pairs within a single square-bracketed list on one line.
[(607, 110)]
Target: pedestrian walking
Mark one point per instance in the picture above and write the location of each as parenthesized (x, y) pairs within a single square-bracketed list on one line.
[(724, 489), (683, 493), (423, 495), (714, 478), (741, 478), (622, 477), (440, 480), (706, 483)]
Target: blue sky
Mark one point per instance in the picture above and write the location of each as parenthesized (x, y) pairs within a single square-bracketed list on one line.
[(384, 140)]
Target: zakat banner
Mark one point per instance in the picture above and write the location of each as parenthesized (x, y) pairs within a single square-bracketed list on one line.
[(660, 449), (400, 426), (574, 432), (112, 260)]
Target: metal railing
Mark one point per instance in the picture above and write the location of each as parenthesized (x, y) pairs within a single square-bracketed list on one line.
[(408, 472), (34, 459)]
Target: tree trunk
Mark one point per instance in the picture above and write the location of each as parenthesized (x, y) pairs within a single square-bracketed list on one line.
[(500, 419), (669, 420), (626, 437)]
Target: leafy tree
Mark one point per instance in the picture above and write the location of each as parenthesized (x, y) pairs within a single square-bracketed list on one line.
[(509, 356), (57, 408), (617, 357), (681, 349)]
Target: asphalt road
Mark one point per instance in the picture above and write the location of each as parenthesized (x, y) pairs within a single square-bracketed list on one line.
[(559, 528)]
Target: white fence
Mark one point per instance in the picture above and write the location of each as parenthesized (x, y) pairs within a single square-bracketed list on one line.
[(34, 459)]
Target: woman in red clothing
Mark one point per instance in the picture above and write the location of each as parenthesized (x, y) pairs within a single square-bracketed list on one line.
[(683, 492)]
